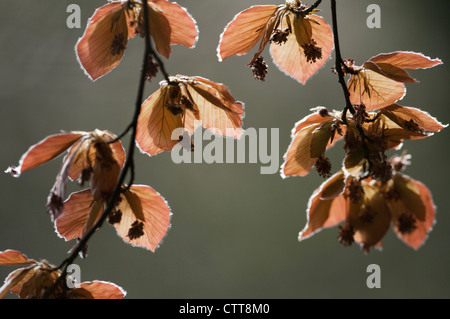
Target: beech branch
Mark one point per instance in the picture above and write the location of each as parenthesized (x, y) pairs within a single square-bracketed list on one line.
[(129, 162), (339, 63)]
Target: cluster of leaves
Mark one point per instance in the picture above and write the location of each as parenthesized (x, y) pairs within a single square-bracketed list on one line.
[(368, 194), (140, 215), (34, 280)]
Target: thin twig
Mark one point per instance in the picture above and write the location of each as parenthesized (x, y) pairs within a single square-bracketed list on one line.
[(339, 63), (128, 166), (311, 8)]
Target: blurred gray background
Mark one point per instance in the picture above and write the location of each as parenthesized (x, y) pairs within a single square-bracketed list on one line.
[(234, 231)]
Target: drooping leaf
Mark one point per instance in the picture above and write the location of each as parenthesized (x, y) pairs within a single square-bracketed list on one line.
[(160, 29), (311, 136), (414, 199), (44, 151), (102, 45), (325, 210), (371, 218), (144, 208), (80, 213), (184, 104), (390, 71), (97, 290), (401, 115), (374, 90), (183, 27), (156, 124), (15, 279), (12, 257), (406, 60), (290, 57), (244, 31), (218, 110)]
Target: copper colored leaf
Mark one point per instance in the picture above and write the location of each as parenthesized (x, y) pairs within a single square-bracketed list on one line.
[(303, 30), (289, 57), (406, 60), (160, 30), (390, 71), (402, 114), (155, 216), (323, 213), (333, 187), (244, 31), (43, 152), (97, 290), (298, 161), (409, 194), (218, 110), (310, 136), (13, 280), (102, 45), (319, 140), (183, 27), (370, 221), (417, 237), (80, 213), (11, 257), (156, 124), (374, 90), (314, 118)]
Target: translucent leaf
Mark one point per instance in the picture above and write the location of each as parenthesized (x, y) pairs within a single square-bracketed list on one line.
[(44, 151), (371, 220), (303, 30), (333, 187), (183, 27), (160, 30), (414, 199), (142, 204), (102, 45), (289, 57), (310, 137), (244, 31), (80, 213), (97, 290), (406, 60), (156, 124), (319, 140), (390, 71), (402, 114), (298, 161), (218, 110), (323, 213), (374, 90), (11, 257), (15, 278)]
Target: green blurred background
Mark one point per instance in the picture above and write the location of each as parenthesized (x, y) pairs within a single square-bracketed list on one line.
[(234, 231)]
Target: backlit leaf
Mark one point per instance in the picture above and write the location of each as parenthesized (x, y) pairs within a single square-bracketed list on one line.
[(244, 31), (102, 45), (289, 57)]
